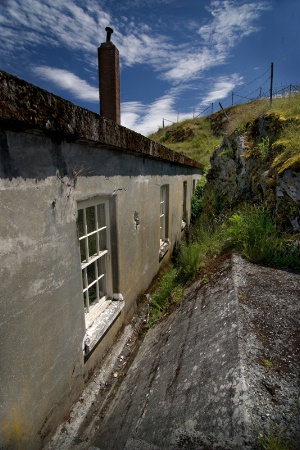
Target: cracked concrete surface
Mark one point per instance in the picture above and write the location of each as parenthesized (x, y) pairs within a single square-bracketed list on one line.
[(214, 374)]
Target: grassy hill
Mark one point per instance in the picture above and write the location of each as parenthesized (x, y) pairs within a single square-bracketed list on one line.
[(249, 199), (199, 137)]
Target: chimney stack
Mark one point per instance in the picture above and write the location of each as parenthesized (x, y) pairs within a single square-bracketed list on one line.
[(109, 79)]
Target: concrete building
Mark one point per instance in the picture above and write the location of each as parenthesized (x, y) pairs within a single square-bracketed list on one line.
[(89, 212)]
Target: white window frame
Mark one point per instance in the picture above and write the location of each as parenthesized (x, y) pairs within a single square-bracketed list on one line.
[(163, 218), (184, 202), (100, 254), (164, 221)]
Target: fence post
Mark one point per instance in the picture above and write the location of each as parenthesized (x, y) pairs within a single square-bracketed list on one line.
[(271, 85), (224, 112)]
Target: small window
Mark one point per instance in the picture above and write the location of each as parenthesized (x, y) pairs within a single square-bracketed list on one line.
[(194, 185), (164, 220), (93, 228), (184, 211), (101, 306), (164, 212)]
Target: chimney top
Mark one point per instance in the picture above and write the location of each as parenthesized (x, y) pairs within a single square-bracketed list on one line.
[(109, 32)]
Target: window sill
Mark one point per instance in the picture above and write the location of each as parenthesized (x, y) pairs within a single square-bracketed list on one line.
[(99, 321)]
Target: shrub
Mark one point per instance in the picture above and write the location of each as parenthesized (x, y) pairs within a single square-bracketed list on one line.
[(161, 298), (196, 207), (253, 232), (226, 152), (263, 147), (189, 261), (275, 439)]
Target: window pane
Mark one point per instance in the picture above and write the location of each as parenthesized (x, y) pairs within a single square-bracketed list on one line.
[(101, 265), (101, 215), (92, 244), (90, 219), (92, 295), (91, 272), (86, 300), (102, 287), (82, 250), (80, 222), (83, 278), (102, 240), (162, 227)]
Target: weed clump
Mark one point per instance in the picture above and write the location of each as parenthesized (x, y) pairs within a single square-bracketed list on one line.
[(251, 231), (275, 439)]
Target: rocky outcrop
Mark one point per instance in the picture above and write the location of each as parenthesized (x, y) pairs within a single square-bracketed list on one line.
[(255, 164)]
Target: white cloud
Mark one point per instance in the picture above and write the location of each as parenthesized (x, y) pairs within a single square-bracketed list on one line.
[(59, 23), (231, 22), (146, 119), (68, 81), (80, 26), (191, 66), (221, 87)]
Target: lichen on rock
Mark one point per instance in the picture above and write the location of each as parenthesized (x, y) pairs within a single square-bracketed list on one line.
[(259, 163)]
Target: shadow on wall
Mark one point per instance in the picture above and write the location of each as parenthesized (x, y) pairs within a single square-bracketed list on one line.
[(38, 157)]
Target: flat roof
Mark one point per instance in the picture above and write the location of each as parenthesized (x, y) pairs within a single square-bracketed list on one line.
[(28, 108)]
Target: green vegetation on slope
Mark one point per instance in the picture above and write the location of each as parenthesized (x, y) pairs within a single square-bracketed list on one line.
[(194, 138), (197, 138), (249, 229)]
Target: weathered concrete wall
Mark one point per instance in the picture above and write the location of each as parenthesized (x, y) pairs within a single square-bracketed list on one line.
[(44, 171), (42, 324), (23, 106)]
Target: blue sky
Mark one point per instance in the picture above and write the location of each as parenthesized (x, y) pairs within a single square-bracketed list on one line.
[(178, 57)]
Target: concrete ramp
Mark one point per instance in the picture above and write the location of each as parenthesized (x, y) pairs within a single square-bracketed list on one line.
[(218, 371)]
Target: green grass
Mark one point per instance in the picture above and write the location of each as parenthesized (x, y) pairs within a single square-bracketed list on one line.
[(197, 138), (288, 106), (194, 138), (287, 147), (251, 231), (275, 440), (196, 203), (168, 292)]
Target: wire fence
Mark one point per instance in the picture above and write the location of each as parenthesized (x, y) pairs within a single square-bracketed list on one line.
[(240, 96)]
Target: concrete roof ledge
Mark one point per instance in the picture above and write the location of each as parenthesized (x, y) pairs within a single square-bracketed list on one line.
[(26, 107)]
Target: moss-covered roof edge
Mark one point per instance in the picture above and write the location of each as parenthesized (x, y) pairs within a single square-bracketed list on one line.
[(24, 106)]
